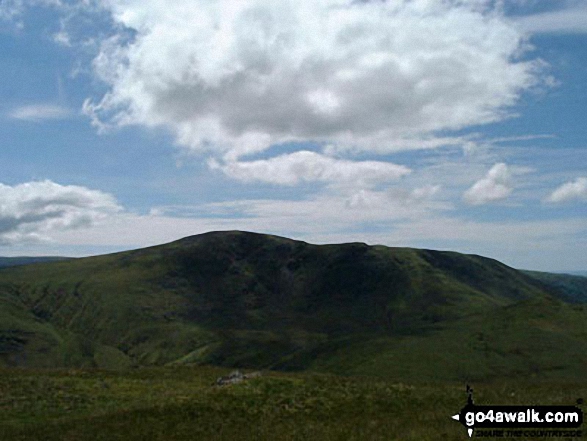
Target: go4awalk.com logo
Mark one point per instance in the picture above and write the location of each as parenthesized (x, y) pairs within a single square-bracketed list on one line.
[(520, 421)]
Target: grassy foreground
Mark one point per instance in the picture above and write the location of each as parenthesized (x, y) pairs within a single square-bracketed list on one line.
[(183, 403)]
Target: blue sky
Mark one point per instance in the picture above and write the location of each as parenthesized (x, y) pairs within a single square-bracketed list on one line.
[(454, 125)]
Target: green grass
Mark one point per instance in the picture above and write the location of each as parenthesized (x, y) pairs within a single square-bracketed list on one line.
[(182, 403)]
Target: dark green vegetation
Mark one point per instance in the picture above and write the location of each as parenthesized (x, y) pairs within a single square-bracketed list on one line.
[(249, 300), (181, 403)]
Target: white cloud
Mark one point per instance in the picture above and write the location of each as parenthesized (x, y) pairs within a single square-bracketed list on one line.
[(39, 112), (426, 192), (569, 191), (495, 186), (234, 76), (306, 166), (34, 210), (10, 9), (571, 18)]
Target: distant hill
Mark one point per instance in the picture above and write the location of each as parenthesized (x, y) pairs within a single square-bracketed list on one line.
[(251, 300), (24, 260), (572, 288), (577, 273)]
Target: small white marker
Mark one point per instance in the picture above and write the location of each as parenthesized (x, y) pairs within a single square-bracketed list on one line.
[(470, 432), (455, 417)]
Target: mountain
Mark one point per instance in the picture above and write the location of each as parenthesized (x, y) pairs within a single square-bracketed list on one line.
[(250, 300)]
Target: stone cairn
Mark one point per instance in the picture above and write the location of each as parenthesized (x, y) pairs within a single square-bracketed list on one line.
[(236, 377)]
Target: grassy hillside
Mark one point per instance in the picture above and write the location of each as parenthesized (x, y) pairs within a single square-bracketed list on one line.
[(183, 403), (250, 300)]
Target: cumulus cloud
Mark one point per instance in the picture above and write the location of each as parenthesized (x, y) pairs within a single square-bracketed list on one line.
[(39, 112), (31, 211), (494, 186), (236, 77), (306, 166), (569, 191)]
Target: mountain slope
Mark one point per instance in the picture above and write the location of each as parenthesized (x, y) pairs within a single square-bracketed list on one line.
[(245, 299)]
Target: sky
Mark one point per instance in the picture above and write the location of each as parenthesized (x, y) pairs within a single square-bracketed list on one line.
[(441, 124)]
